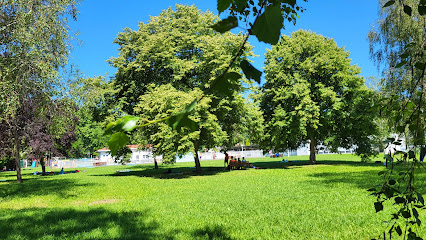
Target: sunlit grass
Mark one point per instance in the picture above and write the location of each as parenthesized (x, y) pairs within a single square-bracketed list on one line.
[(281, 200)]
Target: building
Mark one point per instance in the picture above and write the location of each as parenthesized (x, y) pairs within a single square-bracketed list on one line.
[(138, 156)]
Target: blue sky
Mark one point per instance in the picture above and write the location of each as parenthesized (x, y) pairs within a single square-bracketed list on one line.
[(99, 22)]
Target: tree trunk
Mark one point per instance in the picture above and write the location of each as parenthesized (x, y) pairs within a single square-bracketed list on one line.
[(155, 163), (312, 149), (196, 158), (16, 153), (43, 166)]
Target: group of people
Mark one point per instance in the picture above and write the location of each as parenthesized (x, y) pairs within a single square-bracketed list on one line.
[(232, 158)]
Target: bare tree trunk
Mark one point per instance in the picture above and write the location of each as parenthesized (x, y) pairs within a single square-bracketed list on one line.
[(16, 153), (312, 149), (155, 163), (196, 158), (43, 166)]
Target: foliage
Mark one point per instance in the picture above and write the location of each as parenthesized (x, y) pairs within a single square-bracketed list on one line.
[(165, 100), (399, 41), (312, 93), (181, 49), (178, 47), (92, 96), (34, 43)]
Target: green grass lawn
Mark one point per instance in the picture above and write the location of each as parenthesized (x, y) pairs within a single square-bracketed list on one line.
[(279, 201)]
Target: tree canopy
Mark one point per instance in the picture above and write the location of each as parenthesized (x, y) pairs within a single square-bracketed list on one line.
[(313, 94), (179, 48)]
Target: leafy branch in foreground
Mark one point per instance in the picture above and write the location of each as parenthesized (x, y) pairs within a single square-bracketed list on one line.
[(400, 42)]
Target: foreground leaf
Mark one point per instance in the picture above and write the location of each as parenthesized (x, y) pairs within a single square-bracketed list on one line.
[(181, 120), (250, 71), (118, 140), (226, 24), (268, 26), (378, 206), (222, 5)]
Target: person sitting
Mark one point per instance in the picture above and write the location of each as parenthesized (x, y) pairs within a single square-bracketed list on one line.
[(244, 160)]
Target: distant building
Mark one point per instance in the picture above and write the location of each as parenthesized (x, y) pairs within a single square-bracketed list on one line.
[(137, 157)]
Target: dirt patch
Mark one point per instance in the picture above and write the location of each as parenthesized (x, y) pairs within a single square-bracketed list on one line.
[(106, 201)]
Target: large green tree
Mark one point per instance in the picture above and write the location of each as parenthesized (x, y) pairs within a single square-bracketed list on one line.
[(180, 48), (314, 95), (34, 43), (177, 47)]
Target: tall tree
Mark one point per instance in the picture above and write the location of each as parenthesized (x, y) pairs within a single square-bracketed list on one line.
[(180, 48), (397, 44), (313, 94), (34, 42)]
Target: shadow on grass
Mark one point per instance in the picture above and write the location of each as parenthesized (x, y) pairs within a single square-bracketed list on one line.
[(365, 179), (187, 172), (77, 224), (211, 232), (97, 223), (283, 165), (168, 172), (42, 187)]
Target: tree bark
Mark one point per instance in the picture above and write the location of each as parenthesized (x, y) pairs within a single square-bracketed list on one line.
[(312, 149), (16, 153), (196, 158), (155, 163), (43, 166)]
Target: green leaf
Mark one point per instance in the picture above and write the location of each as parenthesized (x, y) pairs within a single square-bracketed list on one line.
[(223, 83), (420, 198), (422, 10), (400, 129), (126, 124), (404, 55), (240, 5), (250, 71), (381, 173), (392, 182), (411, 154), (399, 200), (129, 123), (398, 230), (388, 158), (378, 206), (109, 127), (181, 120), (226, 24), (408, 10), (406, 214), (191, 106), (415, 213), (402, 63), (118, 140), (389, 3), (222, 5), (419, 65), (268, 26)]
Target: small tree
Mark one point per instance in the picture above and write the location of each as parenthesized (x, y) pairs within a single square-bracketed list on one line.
[(313, 94)]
